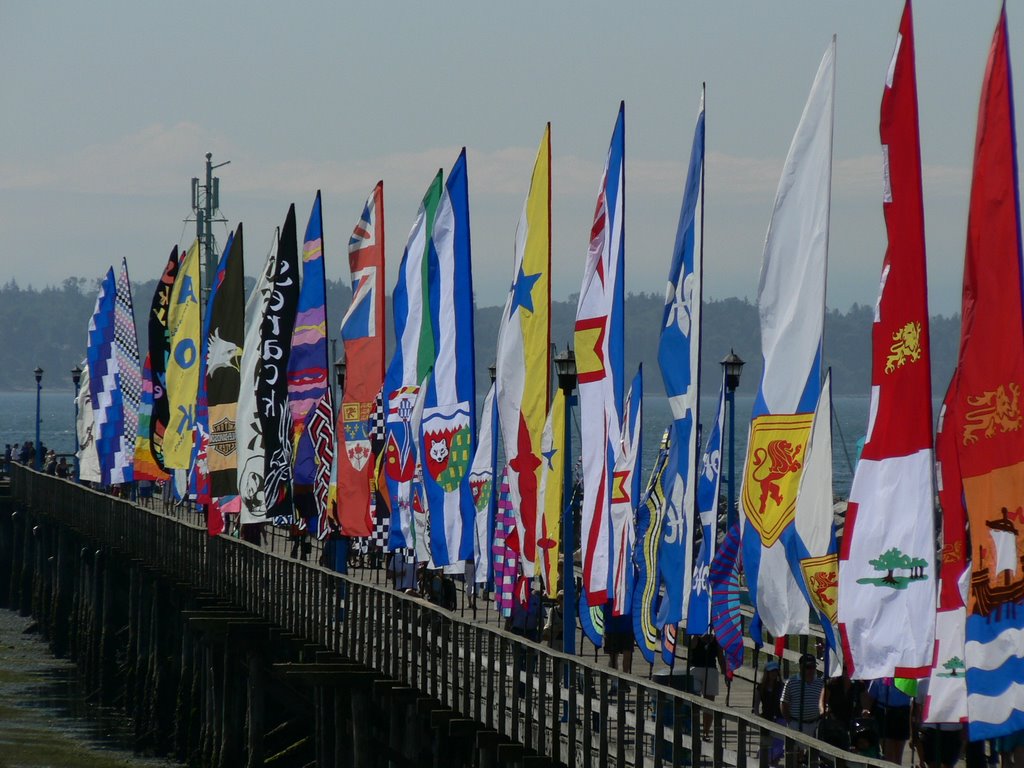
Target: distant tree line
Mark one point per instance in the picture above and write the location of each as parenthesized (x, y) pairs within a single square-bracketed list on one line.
[(48, 328)]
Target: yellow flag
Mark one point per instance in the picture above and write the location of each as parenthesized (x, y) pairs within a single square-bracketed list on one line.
[(776, 458), (523, 355), (183, 364), (551, 495)]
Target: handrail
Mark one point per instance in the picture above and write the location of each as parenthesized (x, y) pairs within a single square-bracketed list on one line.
[(563, 707)]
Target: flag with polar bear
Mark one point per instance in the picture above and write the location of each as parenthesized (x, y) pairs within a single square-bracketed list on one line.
[(449, 409)]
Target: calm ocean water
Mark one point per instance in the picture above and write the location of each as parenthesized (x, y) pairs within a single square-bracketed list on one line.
[(18, 415)]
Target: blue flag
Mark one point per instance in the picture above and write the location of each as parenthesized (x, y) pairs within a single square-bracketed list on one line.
[(679, 359), (449, 410), (698, 615)]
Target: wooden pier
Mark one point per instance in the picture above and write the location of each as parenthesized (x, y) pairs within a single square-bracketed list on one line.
[(226, 654)]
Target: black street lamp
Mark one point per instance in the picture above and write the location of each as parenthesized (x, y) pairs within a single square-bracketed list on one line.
[(732, 366), (76, 379), (39, 390), (565, 369)]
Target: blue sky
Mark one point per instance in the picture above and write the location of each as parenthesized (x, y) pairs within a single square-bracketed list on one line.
[(110, 107)]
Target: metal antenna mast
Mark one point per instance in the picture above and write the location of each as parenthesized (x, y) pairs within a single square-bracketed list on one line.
[(206, 207)]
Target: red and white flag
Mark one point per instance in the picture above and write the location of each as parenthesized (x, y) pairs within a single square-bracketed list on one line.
[(887, 563)]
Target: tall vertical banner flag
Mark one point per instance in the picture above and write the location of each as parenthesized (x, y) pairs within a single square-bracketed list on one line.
[(85, 428), (987, 414), (646, 588), (811, 547), (309, 362), (791, 303), (599, 364), (946, 700), (481, 483), (159, 353), (625, 497), (698, 611), (129, 374), (183, 363), (362, 333), (887, 615), (679, 359), (146, 467), (726, 610), (224, 344), (272, 374), (251, 461), (672, 551), (107, 406), (551, 494), (524, 342), (414, 353), (199, 478), (449, 408)]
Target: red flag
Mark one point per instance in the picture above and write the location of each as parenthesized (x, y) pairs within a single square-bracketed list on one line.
[(953, 558), (887, 621), (362, 332), (987, 412)]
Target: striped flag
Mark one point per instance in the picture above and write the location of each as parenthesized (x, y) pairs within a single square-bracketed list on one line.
[(888, 629), (414, 353), (649, 516), (506, 561), (726, 611), (986, 416), (449, 408), (599, 364), (679, 360), (146, 467), (791, 302), (183, 363), (363, 334), (523, 364)]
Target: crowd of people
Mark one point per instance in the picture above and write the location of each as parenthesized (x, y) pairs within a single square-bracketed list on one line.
[(872, 719), (49, 461)]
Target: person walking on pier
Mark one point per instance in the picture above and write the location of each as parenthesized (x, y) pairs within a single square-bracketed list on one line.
[(802, 695), (767, 704), (891, 709), (705, 659)]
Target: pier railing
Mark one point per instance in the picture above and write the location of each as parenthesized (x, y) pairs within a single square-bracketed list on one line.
[(563, 708)]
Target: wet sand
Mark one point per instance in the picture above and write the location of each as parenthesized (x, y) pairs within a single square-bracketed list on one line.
[(45, 720)]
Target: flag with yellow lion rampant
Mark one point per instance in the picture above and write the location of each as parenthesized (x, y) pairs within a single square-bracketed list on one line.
[(791, 304)]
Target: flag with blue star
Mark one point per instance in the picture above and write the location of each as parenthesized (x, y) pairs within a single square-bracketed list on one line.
[(551, 495), (523, 366)]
